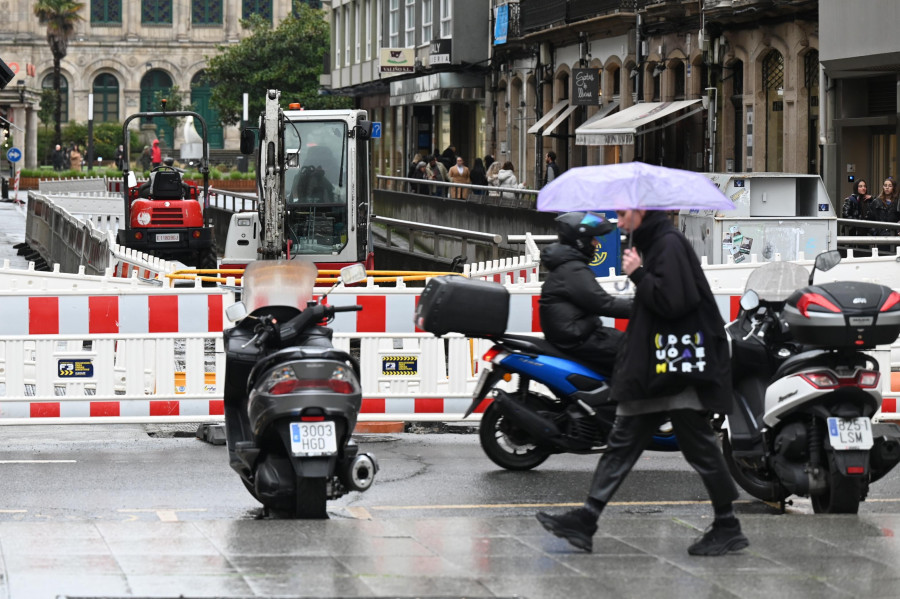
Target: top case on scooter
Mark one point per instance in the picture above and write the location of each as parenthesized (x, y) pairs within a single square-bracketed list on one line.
[(847, 314), (455, 304)]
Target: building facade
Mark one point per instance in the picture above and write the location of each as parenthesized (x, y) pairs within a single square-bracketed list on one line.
[(123, 53)]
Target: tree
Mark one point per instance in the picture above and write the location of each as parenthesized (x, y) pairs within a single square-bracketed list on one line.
[(60, 17), (289, 58)]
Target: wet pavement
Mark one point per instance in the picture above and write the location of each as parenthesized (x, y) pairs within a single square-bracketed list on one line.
[(634, 556)]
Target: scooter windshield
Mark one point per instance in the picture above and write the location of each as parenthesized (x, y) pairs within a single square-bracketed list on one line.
[(278, 283), (775, 281)]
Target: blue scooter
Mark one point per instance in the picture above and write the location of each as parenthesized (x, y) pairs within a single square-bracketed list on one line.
[(523, 427)]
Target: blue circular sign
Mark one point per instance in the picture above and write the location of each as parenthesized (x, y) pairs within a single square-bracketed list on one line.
[(14, 154)]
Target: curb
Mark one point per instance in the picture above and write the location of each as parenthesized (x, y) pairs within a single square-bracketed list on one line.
[(379, 427)]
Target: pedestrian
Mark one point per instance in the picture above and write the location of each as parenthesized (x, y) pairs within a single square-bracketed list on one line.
[(460, 174), (155, 154), (884, 207), (145, 158), (120, 157), (506, 177), (449, 157), (488, 161), (75, 158), (437, 172), (674, 313), (422, 175), (552, 168), (572, 301), (493, 177), (478, 175), (66, 156), (58, 157)]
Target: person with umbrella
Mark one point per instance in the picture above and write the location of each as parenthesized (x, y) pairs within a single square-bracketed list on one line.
[(673, 365)]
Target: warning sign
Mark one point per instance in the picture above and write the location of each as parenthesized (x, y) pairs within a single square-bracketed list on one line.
[(399, 365), (76, 369)]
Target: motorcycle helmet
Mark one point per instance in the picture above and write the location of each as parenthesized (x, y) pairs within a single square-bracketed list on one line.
[(578, 229)]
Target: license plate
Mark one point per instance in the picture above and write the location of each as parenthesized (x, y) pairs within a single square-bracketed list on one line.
[(161, 237), (313, 438), (850, 433)]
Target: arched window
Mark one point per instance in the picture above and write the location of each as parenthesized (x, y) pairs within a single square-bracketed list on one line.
[(678, 81), (811, 68), (106, 98), (63, 94), (773, 83), (201, 91), (152, 82)]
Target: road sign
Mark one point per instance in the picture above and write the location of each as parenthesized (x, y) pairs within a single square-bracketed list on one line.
[(376, 129), (14, 154)]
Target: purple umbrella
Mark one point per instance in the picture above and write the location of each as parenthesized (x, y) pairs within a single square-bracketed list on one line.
[(631, 186)]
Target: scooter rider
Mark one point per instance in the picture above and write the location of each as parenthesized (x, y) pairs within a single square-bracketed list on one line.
[(572, 301)]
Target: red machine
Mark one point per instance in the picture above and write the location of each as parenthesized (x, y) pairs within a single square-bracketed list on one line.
[(164, 216)]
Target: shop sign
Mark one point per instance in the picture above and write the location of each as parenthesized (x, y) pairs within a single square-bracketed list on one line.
[(585, 87), (397, 60)]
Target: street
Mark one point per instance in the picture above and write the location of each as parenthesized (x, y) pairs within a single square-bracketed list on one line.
[(130, 510)]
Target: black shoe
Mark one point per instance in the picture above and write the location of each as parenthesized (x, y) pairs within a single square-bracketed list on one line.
[(576, 526), (719, 540)]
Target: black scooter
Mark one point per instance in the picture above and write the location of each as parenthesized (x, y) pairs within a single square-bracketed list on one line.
[(291, 398)]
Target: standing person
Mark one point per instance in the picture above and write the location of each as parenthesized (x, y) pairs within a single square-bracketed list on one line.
[(552, 168), (459, 174), (438, 172), (856, 206), (478, 176), (506, 177), (449, 157), (671, 295), (156, 154), (58, 157), (572, 301), (422, 175), (884, 209), (75, 158), (145, 158), (120, 157)]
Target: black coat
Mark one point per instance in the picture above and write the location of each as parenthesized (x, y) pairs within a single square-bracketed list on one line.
[(880, 210), (571, 301), (670, 286)]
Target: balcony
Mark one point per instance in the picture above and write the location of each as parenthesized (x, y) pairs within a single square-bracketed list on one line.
[(746, 11), (537, 15)]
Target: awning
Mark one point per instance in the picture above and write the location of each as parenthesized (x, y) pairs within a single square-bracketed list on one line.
[(620, 128), (535, 128), (563, 116), (602, 113)]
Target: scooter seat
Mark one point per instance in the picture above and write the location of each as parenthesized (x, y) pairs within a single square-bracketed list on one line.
[(537, 345)]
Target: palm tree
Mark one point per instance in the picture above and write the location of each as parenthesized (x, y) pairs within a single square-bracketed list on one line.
[(60, 17)]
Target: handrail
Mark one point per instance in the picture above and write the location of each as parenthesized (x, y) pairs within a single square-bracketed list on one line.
[(489, 237)]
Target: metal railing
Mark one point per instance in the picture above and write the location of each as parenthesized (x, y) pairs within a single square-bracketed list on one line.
[(491, 195)]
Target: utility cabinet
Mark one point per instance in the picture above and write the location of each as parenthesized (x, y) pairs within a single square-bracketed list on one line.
[(775, 213)]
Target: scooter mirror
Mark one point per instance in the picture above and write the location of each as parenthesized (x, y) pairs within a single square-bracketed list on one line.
[(132, 179), (828, 260), (750, 300), (354, 273), (236, 312)]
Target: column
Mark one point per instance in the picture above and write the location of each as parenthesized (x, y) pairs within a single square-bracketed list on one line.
[(31, 138)]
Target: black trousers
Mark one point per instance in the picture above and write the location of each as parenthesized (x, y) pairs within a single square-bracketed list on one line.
[(696, 440)]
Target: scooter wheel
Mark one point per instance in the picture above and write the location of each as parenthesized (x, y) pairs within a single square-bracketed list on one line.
[(765, 489), (842, 495), (505, 445)]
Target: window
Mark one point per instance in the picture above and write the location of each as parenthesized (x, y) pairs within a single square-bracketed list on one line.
[(409, 21), (678, 80), (156, 12), (773, 82), (347, 39), (106, 99), (426, 21), (106, 12), (379, 14), (358, 33), (311, 3), (262, 8), (206, 12), (369, 26), (446, 16), (337, 38), (63, 94), (394, 30)]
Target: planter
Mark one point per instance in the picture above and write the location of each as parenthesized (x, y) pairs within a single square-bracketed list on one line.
[(238, 185)]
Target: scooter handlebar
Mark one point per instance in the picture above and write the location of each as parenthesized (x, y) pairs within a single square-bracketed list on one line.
[(335, 309)]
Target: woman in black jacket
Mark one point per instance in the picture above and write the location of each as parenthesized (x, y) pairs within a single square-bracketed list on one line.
[(670, 291)]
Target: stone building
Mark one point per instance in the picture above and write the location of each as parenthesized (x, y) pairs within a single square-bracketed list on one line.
[(123, 52)]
